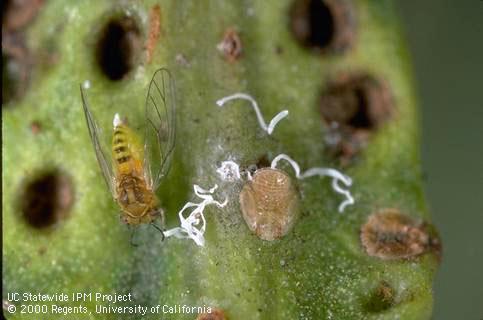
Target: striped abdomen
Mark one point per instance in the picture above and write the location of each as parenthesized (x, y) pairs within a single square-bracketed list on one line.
[(127, 152), (120, 146)]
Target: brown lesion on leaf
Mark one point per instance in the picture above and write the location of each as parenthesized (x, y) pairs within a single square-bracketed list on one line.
[(354, 105), (154, 31), (231, 45), (324, 26), (389, 234), (18, 59), (17, 64), (215, 314), (16, 14), (46, 198)]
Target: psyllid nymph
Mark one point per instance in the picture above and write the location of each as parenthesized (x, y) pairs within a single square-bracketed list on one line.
[(133, 169)]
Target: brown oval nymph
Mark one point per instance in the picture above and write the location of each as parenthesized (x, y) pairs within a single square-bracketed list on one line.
[(389, 234), (269, 203)]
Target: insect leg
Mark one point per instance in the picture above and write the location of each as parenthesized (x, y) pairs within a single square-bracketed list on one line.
[(159, 229), (133, 232)]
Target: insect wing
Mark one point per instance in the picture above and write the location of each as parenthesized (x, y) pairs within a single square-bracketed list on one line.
[(100, 149), (160, 126)]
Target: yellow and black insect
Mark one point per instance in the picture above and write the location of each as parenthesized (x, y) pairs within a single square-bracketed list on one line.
[(132, 170)]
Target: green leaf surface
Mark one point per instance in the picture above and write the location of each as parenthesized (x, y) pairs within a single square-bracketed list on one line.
[(318, 271)]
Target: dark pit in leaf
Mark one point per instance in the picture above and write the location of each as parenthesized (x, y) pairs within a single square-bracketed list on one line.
[(354, 105), (323, 25), (118, 47), (46, 199), (381, 298), (356, 100)]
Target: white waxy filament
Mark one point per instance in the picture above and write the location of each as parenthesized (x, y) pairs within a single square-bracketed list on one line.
[(322, 172), (268, 128)]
